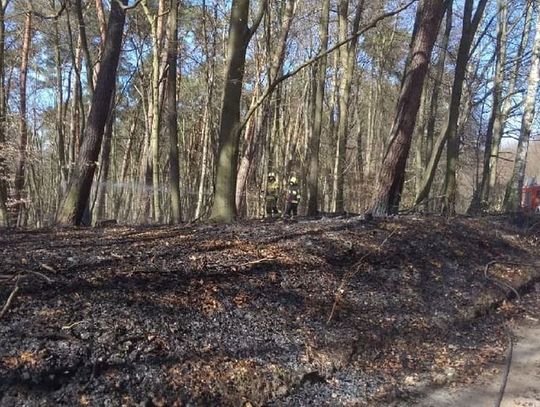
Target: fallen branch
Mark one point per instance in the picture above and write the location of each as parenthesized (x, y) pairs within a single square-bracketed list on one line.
[(47, 267), (10, 298), (258, 261), (16, 287), (38, 274), (341, 289), (501, 283), (66, 327)]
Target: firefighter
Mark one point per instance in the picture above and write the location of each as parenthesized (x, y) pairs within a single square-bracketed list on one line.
[(292, 198), (271, 195)]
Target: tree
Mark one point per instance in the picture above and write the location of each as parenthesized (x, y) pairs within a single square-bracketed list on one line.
[(347, 56), (392, 174), (319, 73), (72, 209), (23, 125), (157, 33), (501, 117), (513, 190), (450, 131), (4, 216), (224, 206), (470, 25), (481, 194), (172, 114)]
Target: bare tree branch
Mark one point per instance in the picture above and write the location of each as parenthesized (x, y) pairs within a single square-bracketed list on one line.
[(272, 86)]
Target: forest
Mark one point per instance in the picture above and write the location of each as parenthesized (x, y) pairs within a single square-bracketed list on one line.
[(167, 111), (151, 152)]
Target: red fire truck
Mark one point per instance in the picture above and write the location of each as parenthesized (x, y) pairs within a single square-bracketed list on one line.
[(530, 198)]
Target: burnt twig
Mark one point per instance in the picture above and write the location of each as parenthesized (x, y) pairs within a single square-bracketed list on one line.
[(10, 298), (341, 289)]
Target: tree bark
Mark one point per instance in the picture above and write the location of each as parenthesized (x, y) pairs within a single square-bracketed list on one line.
[(224, 206), (391, 176), (76, 199)]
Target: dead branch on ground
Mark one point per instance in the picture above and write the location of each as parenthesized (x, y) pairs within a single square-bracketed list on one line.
[(348, 276)]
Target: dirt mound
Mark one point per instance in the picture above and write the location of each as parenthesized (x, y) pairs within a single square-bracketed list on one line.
[(326, 312)]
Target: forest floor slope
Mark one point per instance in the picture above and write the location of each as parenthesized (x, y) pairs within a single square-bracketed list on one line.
[(325, 312)]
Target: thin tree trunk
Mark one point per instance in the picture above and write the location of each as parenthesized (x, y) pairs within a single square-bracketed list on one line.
[(482, 191), (125, 165), (157, 34), (77, 106), (4, 216), (206, 129), (392, 174), (513, 190), (470, 25), (501, 119), (439, 76), (347, 56), (105, 161), (60, 126), (23, 126), (84, 46), (316, 129), (172, 115), (72, 209), (449, 132)]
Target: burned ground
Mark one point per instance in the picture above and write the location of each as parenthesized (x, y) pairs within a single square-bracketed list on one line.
[(326, 312)]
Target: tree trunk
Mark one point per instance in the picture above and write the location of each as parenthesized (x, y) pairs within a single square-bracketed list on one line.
[(316, 124), (157, 34), (392, 174), (513, 190), (439, 76), (172, 115), (254, 136), (347, 56), (470, 25), (105, 163), (206, 127), (501, 119), (60, 126), (84, 46), (76, 199), (77, 106), (23, 126), (482, 191), (224, 206), (4, 216)]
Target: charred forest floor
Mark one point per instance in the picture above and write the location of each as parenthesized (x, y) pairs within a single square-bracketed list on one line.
[(318, 312)]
